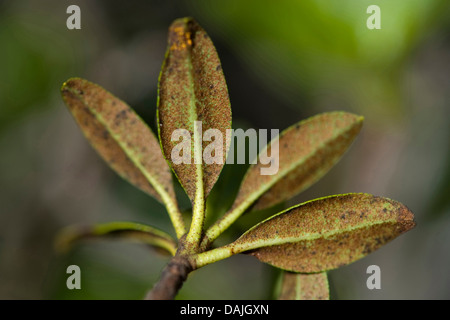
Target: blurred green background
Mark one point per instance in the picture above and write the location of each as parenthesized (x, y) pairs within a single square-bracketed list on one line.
[(283, 61)]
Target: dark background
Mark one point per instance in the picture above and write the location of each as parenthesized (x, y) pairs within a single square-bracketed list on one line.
[(283, 61)]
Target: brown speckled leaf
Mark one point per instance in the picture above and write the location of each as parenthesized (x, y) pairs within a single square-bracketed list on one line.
[(307, 150), (326, 233), (303, 286), (192, 88), (120, 136)]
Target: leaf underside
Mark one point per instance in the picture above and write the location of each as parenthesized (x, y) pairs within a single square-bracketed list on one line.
[(192, 88), (119, 136), (307, 150), (326, 233), (301, 286)]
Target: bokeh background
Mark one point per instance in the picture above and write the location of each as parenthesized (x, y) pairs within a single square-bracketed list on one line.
[(283, 61)]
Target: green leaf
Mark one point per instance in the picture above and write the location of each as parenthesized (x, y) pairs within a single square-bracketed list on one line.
[(192, 91), (322, 234), (306, 151), (123, 140), (303, 286), (123, 230)]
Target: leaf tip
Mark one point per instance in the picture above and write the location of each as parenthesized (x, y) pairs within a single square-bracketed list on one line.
[(360, 120), (355, 119), (69, 83), (181, 32), (406, 218), (71, 86)]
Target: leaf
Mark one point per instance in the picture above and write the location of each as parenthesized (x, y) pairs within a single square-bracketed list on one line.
[(329, 232), (326, 233), (192, 88), (193, 97), (124, 230), (118, 135), (306, 151), (123, 140), (303, 286)]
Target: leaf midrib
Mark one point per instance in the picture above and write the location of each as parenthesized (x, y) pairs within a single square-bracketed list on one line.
[(311, 236)]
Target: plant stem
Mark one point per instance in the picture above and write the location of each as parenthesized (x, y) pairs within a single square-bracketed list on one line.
[(211, 256), (195, 233), (222, 224), (171, 280), (175, 216)]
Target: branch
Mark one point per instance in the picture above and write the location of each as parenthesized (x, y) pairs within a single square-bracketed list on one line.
[(172, 278)]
